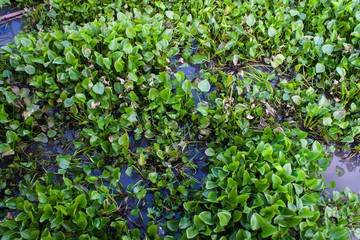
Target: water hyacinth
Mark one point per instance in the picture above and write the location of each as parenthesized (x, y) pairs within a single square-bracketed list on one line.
[(179, 120)]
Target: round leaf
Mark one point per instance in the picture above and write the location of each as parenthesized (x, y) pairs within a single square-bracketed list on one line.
[(204, 86)]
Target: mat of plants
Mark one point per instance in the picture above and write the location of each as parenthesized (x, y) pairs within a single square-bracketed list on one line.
[(179, 119)]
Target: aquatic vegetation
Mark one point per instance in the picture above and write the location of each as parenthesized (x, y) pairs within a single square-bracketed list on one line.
[(178, 120)]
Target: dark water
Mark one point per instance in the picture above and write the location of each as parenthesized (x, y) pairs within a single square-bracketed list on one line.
[(62, 144), (10, 29), (190, 70)]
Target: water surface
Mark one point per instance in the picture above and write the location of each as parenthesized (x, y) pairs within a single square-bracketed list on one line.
[(10, 29), (344, 169)]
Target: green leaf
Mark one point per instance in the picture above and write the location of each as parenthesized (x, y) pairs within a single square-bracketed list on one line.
[(165, 94), (128, 48), (186, 86), (267, 152), (130, 33), (347, 139), (305, 213), (133, 96), (206, 217), (63, 161), (191, 205), (272, 32), (26, 233), (341, 71), (22, 217), (81, 200), (74, 73), (7, 152), (169, 14), (338, 232), (152, 230), (328, 49), (277, 60), (148, 56), (172, 225), (357, 15), (153, 94), (3, 3), (250, 20), (46, 215), (11, 136), (276, 181), (339, 115), (224, 218), (209, 152), (82, 223), (267, 229), (204, 85), (132, 76), (320, 68), (255, 221), (356, 31), (294, 13), (81, 97), (107, 62), (124, 140), (70, 57), (11, 224), (10, 97), (99, 88), (191, 232), (59, 60), (142, 160), (119, 66), (68, 102), (198, 59), (29, 69), (287, 221), (229, 45), (113, 46), (56, 221), (153, 177), (41, 138), (86, 37)]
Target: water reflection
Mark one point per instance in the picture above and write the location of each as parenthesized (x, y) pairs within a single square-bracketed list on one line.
[(10, 29), (344, 169)]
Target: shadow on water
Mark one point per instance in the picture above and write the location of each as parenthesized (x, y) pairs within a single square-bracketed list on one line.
[(344, 169), (10, 29)]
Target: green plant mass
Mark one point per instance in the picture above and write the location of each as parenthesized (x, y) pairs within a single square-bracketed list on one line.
[(170, 120)]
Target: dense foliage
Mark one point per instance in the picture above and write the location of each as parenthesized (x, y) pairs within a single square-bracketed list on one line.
[(103, 127)]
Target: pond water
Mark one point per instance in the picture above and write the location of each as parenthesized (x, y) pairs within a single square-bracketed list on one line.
[(344, 169), (189, 70), (10, 29)]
